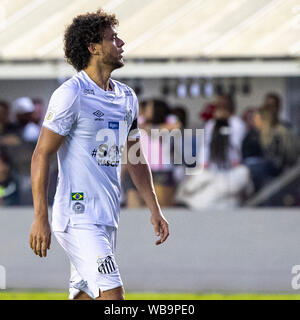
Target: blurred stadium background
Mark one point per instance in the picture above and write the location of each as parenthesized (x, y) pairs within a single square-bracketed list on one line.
[(187, 53)]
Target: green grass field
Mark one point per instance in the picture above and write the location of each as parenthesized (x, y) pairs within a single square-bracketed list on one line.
[(36, 295)]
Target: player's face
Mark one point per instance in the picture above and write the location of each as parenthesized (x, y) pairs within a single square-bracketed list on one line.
[(112, 49)]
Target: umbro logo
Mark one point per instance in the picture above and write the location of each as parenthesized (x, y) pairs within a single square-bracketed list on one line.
[(99, 115)]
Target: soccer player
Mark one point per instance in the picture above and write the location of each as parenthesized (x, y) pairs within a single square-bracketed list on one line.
[(84, 115)]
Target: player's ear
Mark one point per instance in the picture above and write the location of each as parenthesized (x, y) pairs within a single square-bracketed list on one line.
[(94, 48)]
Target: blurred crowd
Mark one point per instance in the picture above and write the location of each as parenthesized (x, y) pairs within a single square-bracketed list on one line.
[(237, 157), (19, 131)]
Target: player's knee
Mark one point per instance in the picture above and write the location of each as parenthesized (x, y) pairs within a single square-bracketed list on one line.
[(122, 294)]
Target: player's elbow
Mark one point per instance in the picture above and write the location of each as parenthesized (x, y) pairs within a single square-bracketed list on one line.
[(39, 155)]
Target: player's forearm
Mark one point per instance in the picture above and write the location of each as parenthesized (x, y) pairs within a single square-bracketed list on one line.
[(39, 180), (142, 178)]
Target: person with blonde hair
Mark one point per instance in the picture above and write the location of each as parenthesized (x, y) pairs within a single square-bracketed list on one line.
[(269, 147), (278, 142)]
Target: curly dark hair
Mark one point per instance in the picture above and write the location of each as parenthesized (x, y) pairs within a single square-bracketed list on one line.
[(85, 29)]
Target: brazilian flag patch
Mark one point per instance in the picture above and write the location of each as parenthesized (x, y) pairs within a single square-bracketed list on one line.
[(77, 196)]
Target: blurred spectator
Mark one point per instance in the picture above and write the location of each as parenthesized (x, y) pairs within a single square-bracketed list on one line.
[(141, 117), (9, 185), (188, 148), (251, 146), (23, 110), (155, 114), (130, 194), (8, 136), (248, 117), (272, 101), (39, 111), (158, 116), (181, 114), (252, 152), (224, 135), (269, 147), (225, 180), (208, 112), (278, 142)]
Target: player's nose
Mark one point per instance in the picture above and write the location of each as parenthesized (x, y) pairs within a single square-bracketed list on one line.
[(120, 43)]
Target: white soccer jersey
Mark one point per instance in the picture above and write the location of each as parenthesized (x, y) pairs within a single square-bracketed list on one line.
[(96, 124)]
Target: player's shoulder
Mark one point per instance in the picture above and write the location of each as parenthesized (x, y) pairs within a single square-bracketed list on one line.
[(68, 89), (67, 93)]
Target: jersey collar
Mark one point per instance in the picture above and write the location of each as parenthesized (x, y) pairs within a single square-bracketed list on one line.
[(109, 94)]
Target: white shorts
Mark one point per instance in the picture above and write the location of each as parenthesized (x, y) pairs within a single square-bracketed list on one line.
[(90, 249)]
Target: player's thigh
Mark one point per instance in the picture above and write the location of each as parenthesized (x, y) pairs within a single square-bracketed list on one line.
[(91, 253), (113, 294), (82, 296)]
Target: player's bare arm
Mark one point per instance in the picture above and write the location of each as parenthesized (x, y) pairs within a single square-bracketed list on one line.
[(40, 234), (146, 189)]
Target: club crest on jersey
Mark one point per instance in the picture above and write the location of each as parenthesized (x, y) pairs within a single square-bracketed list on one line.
[(106, 265), (50, 115), (128, 118), (77, 196)]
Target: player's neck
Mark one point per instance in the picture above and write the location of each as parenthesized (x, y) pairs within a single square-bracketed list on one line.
[(99, 76)]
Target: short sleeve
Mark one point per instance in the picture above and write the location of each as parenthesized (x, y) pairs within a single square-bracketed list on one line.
[(62, 110), (134, 132)]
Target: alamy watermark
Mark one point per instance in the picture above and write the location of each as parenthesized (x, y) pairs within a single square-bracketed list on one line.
[(161, 147), (296, 279), (2, 278)]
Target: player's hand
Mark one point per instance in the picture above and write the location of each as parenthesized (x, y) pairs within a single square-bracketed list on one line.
[(161, 227), (40, 237)]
